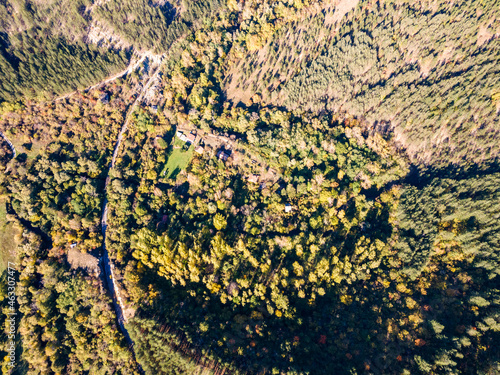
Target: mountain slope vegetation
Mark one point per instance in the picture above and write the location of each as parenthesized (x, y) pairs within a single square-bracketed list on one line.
[(55, 47), (426, 72), (297, 187)]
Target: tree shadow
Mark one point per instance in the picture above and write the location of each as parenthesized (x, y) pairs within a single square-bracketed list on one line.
[(241, 194), (27, 146), (173, 175), (328, 337)]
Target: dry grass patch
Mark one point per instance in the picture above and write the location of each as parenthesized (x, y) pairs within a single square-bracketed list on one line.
[(82, 260)]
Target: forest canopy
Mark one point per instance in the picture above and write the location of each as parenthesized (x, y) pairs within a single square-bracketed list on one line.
[(250, 187)]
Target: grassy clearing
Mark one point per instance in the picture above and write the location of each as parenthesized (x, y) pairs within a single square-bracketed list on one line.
[(3, 212), (26, 146), (177, 160), (178, 142), (8, 233)]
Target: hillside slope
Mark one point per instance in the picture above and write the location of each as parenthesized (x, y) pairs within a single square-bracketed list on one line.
[(274, 186), (53, 47), (426, 72)]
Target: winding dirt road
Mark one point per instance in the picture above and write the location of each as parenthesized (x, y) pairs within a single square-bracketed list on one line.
[(13, 149), (132, 66), (118, 303), (14, 153)]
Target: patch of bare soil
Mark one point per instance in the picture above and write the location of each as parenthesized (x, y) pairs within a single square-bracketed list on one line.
[(82, 260), (483, 35), (103, 36), (340, 9)]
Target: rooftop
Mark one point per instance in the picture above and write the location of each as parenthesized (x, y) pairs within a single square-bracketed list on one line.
[(222, 155), (254, 178)]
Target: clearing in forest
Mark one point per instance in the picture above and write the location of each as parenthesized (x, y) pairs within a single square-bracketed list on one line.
[(8, 233), (177, 161)]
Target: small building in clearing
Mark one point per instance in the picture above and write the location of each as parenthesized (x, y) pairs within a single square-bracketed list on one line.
[(254, 178), (199, 150), (104, 98), (191, 138), (288, 207), (222, 155), (182, 136)]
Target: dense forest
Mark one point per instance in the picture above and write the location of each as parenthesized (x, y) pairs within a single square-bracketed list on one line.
[(294, 187), (42, 51), (153, 28), (48, 49), (58, 186), (426, 72)]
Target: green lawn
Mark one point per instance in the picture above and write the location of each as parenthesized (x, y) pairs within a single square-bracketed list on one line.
[(178, 142), (177, 160)]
